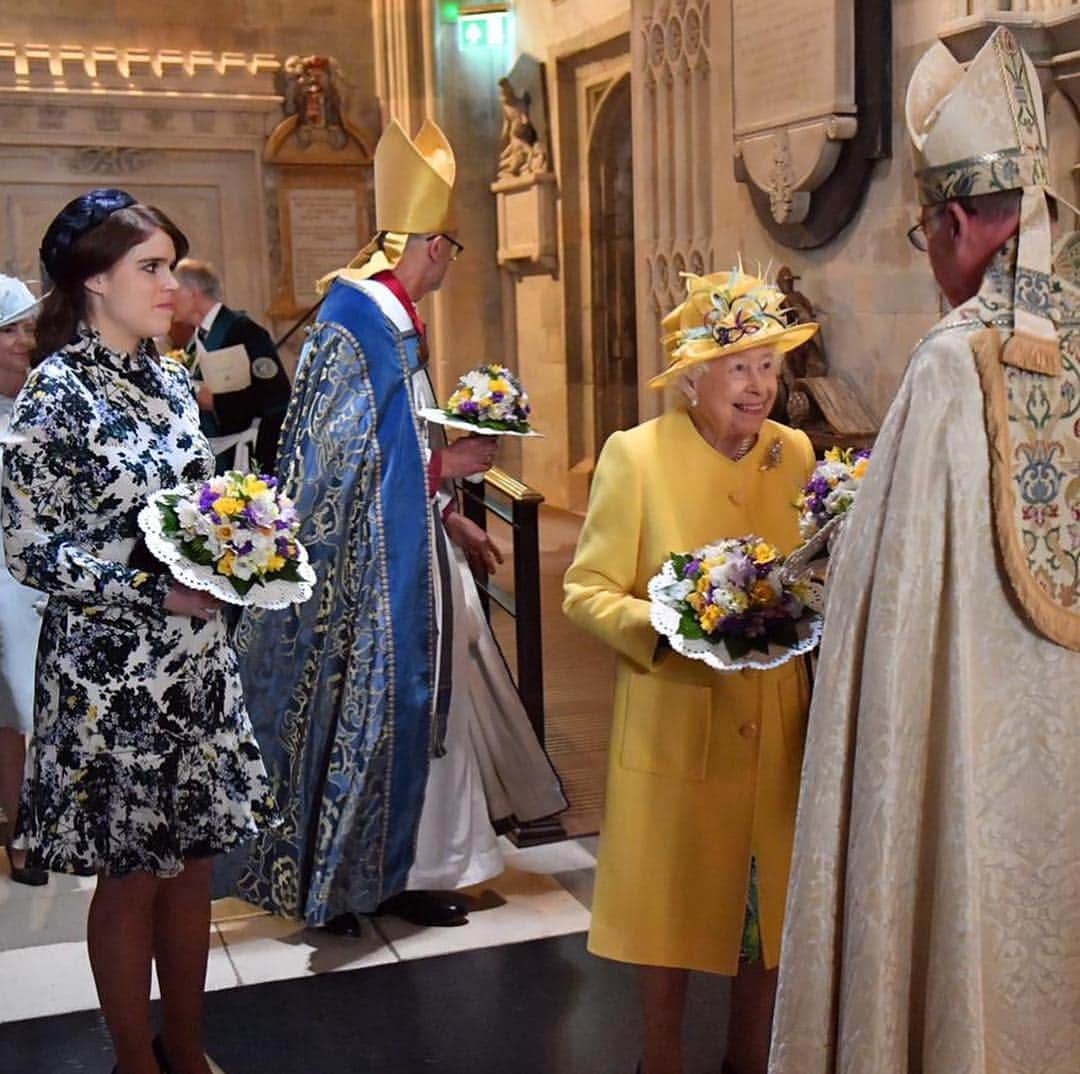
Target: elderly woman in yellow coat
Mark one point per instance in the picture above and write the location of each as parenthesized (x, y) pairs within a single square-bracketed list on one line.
[(703, 777)]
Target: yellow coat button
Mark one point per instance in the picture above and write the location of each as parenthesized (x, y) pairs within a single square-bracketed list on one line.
[(749, 730)]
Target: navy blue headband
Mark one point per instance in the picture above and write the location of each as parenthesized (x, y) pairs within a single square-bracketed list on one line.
[(75, 220)]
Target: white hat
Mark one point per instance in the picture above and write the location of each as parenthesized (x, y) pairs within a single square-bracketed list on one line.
[(16, 301), (980, 131)]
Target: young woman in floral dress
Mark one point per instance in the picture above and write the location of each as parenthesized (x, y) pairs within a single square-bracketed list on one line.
[(143, 765)]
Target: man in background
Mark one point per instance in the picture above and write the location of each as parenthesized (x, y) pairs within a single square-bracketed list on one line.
[(200, 304)]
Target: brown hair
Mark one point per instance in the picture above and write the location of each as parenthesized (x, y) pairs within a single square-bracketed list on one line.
[(94, 252)]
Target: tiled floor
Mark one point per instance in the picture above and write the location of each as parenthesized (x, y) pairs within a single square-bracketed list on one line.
[(544, 892), (544, 1007)]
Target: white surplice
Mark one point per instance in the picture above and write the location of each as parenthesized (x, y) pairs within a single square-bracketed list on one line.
[(493, 765)]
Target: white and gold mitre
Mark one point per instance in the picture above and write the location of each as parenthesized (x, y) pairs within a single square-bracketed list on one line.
[(977, 131), (983, 131), (414, 195)]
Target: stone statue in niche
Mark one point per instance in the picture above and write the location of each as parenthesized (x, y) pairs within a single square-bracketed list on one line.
[(824, 406), (310, 90), (522, 151)]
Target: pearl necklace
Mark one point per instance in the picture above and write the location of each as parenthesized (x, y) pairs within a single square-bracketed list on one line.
[(744, 448)]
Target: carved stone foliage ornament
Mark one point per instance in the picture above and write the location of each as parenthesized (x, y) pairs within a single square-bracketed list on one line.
[(315, 129), (812, 86), (110, 159)]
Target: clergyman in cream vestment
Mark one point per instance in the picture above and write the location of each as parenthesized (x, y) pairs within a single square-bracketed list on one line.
[(933, 922)]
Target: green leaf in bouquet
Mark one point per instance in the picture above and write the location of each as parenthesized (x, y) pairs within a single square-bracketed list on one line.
[(289, 573), (170, 523), (197, 552), (679, 561), (241, 585), (689, 627)]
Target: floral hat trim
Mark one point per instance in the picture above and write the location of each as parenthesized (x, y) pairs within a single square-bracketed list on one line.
[(725, 313)]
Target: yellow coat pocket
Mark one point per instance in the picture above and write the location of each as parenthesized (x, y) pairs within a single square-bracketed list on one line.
[(665, 726)]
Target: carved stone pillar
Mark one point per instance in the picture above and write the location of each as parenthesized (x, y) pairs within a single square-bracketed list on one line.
[(676, 95)]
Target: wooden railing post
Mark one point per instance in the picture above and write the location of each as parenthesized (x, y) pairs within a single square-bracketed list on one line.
[(518, 506), (529, 624)]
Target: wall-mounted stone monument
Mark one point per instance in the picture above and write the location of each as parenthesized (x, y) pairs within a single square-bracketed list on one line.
[(524, 186), (324, 166), (812, 87)]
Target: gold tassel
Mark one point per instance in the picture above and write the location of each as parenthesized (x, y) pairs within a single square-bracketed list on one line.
[(1033, 355)]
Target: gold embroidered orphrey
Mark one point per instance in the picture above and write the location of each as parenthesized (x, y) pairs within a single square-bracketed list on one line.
[(1033, 430)]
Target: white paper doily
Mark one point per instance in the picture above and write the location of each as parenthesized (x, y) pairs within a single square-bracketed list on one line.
[(440, 417), (275, 594), (665, 621)]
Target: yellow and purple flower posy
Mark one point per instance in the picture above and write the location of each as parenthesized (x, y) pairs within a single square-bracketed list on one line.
[(732, 592), (491, 397), (241, 525), (832, 488)]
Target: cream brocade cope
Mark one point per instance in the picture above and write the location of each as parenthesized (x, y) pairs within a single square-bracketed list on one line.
[(933, 922)]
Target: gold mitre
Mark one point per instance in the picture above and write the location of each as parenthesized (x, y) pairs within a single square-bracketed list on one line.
[(414, 181), (981, 131), (414, 195)]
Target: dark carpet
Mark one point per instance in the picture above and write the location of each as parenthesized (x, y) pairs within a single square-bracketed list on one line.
[(545, 1007)]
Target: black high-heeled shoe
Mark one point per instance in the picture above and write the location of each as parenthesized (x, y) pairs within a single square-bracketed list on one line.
[(31, 876)]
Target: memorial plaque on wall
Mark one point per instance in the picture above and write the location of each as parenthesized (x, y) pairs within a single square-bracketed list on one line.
[(802, 68), (812, 94), (324, 235), (324, 219)]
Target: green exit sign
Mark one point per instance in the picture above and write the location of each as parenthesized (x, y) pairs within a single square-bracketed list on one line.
[(482, 31)]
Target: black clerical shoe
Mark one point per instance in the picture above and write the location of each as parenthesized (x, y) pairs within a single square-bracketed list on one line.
[(452, 900), (428, 908), (345, 925)]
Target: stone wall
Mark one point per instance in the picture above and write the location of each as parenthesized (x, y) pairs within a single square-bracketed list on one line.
[(874, 293), (185, 125)]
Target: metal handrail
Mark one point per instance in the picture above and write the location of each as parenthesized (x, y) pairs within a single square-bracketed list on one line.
[(518, 505)]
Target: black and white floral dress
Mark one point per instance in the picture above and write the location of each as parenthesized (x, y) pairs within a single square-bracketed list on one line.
[(142, 753)]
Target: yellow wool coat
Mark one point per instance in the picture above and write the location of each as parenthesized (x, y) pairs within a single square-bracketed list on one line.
[(704, 766)]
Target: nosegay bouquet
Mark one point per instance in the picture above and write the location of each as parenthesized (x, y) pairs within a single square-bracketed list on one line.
[(233, 536), (729, 605), (488, 400), (832, 488), (491, 395)]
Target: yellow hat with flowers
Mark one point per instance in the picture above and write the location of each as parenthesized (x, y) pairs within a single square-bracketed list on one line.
[(725, 313), (414, 195)]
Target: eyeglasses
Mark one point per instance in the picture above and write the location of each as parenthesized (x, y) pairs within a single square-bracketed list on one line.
[(916, 235), (458, 248)]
